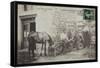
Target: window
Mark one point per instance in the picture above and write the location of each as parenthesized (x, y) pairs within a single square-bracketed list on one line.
[(25, 7), (25, 27), (32, 26)]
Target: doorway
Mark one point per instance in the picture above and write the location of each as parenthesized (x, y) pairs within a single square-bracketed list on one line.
[(28, 25)]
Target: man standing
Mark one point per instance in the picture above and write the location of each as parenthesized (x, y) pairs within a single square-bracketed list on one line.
[(32, 46), (87, 36)]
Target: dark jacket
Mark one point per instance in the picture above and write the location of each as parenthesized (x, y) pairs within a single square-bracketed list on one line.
[(32, 43)]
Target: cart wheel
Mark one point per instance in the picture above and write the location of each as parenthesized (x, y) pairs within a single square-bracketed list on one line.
[(80, 46), (59, 49)]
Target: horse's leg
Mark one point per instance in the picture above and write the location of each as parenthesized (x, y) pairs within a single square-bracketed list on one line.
[(30, 56), (41, 49), (45, 49), (29, 52)]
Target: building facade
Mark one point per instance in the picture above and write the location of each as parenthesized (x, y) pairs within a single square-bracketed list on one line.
[(47, 19)]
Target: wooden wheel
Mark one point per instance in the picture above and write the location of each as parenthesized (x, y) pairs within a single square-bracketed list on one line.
[(59, 49), (80, 46)]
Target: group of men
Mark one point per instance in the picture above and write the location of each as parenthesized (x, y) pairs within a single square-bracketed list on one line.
[(80, 38)]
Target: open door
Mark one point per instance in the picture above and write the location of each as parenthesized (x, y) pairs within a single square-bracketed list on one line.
[(28, 25)]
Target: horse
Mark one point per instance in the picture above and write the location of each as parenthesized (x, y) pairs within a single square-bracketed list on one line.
[(42, 38)]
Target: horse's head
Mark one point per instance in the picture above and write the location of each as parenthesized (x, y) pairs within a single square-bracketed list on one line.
[(51, 43)]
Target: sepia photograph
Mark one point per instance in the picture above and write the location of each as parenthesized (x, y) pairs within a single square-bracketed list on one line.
[(55, 34)]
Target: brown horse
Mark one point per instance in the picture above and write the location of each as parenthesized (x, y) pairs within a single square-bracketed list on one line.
[(39, 37)]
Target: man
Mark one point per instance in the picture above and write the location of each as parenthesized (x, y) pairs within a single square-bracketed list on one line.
[(86, 36), (79, 36), (63, 38), (80, 40), (32, 46), (67, 39), (70, 39)]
